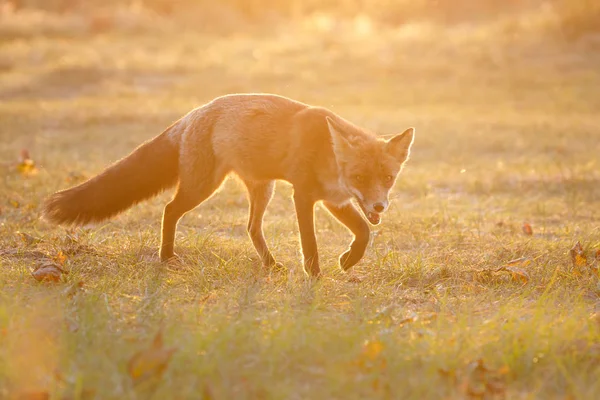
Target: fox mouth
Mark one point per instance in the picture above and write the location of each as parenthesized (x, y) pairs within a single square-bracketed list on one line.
[(373, 217)]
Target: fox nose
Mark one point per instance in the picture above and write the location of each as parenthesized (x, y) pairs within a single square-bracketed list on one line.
[(379, 207)]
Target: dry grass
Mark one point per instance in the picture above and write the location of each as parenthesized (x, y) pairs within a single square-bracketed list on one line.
[(506, 133)]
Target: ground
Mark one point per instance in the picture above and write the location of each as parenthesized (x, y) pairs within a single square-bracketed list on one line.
[(504, 166)]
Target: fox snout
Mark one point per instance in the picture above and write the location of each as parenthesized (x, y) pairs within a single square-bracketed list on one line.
[(379, 207), (372, 207)]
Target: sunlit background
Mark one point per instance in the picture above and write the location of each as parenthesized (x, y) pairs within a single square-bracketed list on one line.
[(469, 289)]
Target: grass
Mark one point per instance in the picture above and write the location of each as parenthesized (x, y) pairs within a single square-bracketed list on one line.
[(506, 134)]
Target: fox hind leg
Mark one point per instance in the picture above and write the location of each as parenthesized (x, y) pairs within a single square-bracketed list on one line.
[(259, 196), (200, 177)]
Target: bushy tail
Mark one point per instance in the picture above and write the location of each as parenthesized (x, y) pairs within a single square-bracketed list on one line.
[(147, 171)]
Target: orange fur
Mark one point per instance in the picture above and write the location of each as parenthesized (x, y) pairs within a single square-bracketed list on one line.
[(261, 138)]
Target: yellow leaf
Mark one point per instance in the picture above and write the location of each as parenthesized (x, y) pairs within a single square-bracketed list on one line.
[(518, 274), (60, 258), (27, 167), (151, 362), (578, 256), (28, 239)]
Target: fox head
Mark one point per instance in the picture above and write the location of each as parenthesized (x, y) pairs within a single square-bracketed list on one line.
[(368, 166)]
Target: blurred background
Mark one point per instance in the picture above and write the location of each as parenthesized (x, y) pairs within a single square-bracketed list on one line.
[(503, 93)]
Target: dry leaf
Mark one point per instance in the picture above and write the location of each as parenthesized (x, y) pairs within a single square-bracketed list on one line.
[(150, 362), (527, 229), (15, 204), (518, 274), (26, 165), (48, 272), (578, 257), (60, 258), (28, 239)]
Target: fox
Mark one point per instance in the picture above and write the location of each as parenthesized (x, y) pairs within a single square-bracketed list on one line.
[(260, 138)]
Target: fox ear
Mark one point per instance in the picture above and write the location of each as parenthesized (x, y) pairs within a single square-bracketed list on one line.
[(399, 146), (341, 141)]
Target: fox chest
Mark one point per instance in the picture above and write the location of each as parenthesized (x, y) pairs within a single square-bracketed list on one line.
[(335, 194)]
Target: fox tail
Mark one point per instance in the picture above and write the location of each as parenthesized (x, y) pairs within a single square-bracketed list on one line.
[(147, 171)]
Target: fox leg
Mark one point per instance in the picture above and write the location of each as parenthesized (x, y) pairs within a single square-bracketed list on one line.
[(306, 224), (259, 195), (351, 218), (200, 177)]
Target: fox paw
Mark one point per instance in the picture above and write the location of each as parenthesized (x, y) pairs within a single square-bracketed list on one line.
[(345, 262), (277, 267)]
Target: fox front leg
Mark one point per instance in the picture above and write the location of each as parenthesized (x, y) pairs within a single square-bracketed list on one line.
[(349, 216), (306, 224)]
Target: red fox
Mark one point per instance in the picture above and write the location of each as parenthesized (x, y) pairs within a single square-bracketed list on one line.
[(261, 138)]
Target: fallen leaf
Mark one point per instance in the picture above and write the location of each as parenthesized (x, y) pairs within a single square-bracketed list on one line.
[(28, 239), (48, 272), (527, 229), (60, 258), (578, 258), (15, 203), (26, 165), (151, 362), (518, 274)]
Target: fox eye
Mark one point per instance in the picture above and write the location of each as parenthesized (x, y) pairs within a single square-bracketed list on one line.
[(389, 178), (359, 178)]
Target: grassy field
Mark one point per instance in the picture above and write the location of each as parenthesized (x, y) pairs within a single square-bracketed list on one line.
[(507, 134)]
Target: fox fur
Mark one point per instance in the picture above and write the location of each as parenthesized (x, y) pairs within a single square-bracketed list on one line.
[(261, 138)]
